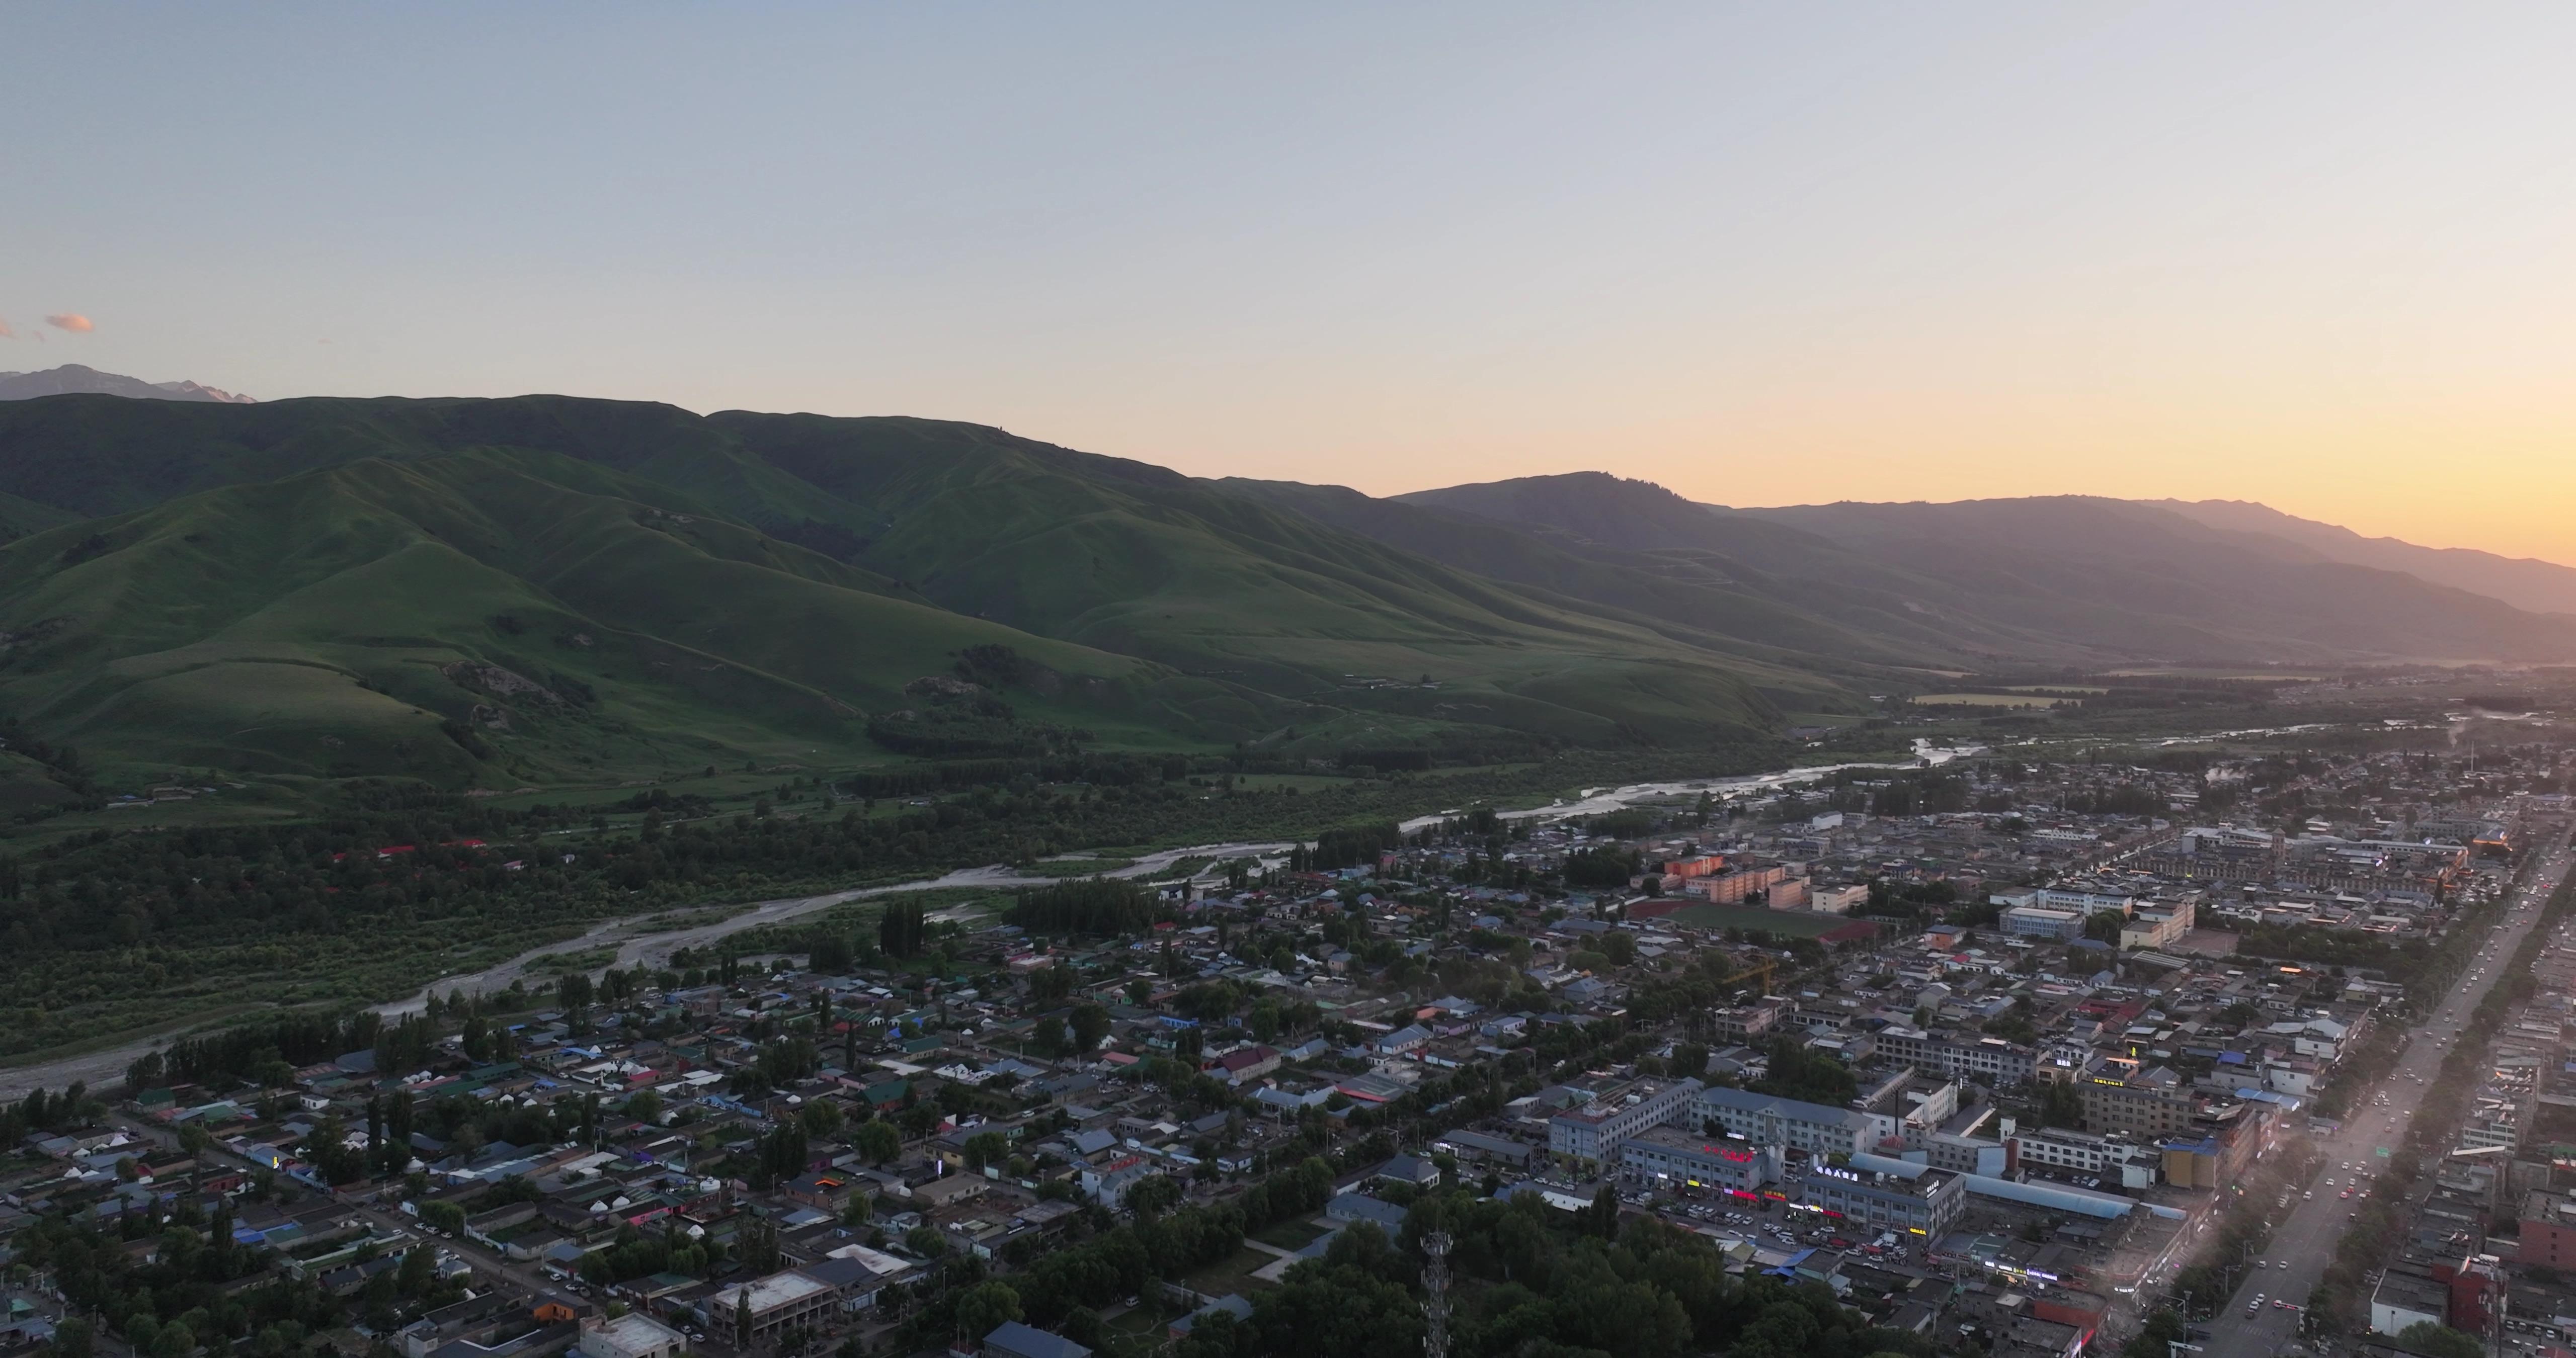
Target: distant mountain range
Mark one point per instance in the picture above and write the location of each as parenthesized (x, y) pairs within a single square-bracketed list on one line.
[(2541, 586), (535, 589), (73, 377)]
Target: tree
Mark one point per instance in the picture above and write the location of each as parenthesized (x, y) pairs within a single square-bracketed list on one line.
[(1090, 1023), (1153, 1196), (985, 1307), (2060, 1106), (985, 1148), (417, 1273), (742, 1319), (821, 1117), (2440, 1341), (877, 1142), (1602, 1218), (2104, 927), (644, 1105)]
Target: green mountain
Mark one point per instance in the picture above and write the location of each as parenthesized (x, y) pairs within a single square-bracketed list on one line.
[(543, 590), (484, 593)]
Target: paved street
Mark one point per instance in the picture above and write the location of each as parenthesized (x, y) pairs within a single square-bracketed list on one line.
[(2303, 1245)]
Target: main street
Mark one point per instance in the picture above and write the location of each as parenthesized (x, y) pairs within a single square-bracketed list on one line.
[(2304, 1244)]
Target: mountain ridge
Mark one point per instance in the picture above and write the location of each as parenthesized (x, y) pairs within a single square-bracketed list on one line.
[(80, 378)]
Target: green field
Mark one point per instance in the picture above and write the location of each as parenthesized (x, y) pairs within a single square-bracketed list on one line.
[(2006, 700), (1792, 923)]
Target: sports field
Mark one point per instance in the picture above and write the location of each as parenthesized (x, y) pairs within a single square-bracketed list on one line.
[(1789, 923)]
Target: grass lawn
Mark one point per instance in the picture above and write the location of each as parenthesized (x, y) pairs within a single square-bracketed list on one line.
[(1234, 1275), (1290, 1235), (1794, 923)]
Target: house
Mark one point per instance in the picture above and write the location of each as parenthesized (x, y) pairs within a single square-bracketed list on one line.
[(1251, 1063), (1011, 1339), (1232, 1303), (1349, 1208), (1403, 1040), (1108, 1184), (1409, 1169)]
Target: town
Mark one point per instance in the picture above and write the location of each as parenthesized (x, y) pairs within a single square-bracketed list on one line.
[(2006, 1057)]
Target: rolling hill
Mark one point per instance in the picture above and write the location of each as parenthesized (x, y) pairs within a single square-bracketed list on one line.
[(545, 589), (333, 587), (2525, 583), (2065, 579)]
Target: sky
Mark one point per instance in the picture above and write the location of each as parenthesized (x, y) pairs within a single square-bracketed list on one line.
[(2313, 255)]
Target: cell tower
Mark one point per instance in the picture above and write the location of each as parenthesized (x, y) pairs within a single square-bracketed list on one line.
[(1435, 1295)]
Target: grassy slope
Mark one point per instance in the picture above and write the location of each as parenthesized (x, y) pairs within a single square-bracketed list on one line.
[(302, 625), (1141, 560), (1102, 553)]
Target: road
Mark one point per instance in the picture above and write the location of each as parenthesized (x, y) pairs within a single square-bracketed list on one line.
[(637, 944), (2303, 1245)]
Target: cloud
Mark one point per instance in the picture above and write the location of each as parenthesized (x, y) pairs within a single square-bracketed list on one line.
[(72, 321), (6, 332)]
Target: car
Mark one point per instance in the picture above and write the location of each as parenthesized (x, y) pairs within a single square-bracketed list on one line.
[(2261, 1264), (2306, 1196)]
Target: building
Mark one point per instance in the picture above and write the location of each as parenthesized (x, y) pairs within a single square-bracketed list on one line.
[(1746, 1024), (1837, 900), (633, 1335), (2031, 921), (1591, 1131), (1768, 1120), (779, 1302), (1988, 1060), (1250, 1063), (1735, 885), (2158, 924), (1011, 1339), (1927, 1202), (2150, 1104), (2548, 1231), (2407, 1297), (1673, 1157), (2070, 1151)]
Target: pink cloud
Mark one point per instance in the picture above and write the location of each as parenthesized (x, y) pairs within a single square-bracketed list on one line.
[(6, 332), (72, 321)]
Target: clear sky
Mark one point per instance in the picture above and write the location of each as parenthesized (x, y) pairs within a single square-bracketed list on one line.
[(2323, 256)]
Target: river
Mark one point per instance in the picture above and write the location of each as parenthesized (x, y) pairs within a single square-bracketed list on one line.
[(637, 945)]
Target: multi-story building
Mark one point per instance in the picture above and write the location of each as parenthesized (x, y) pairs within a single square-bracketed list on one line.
[(2071, 1151), (1989, 1060), (2158, 924), (2548, 1230), (1676, 1157), (2031, 921), (1924, 1202), (1592, 1130), (1745, 1024), (2148, 1104), (779, 1302), (1768, 1120), (1735, 884)]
